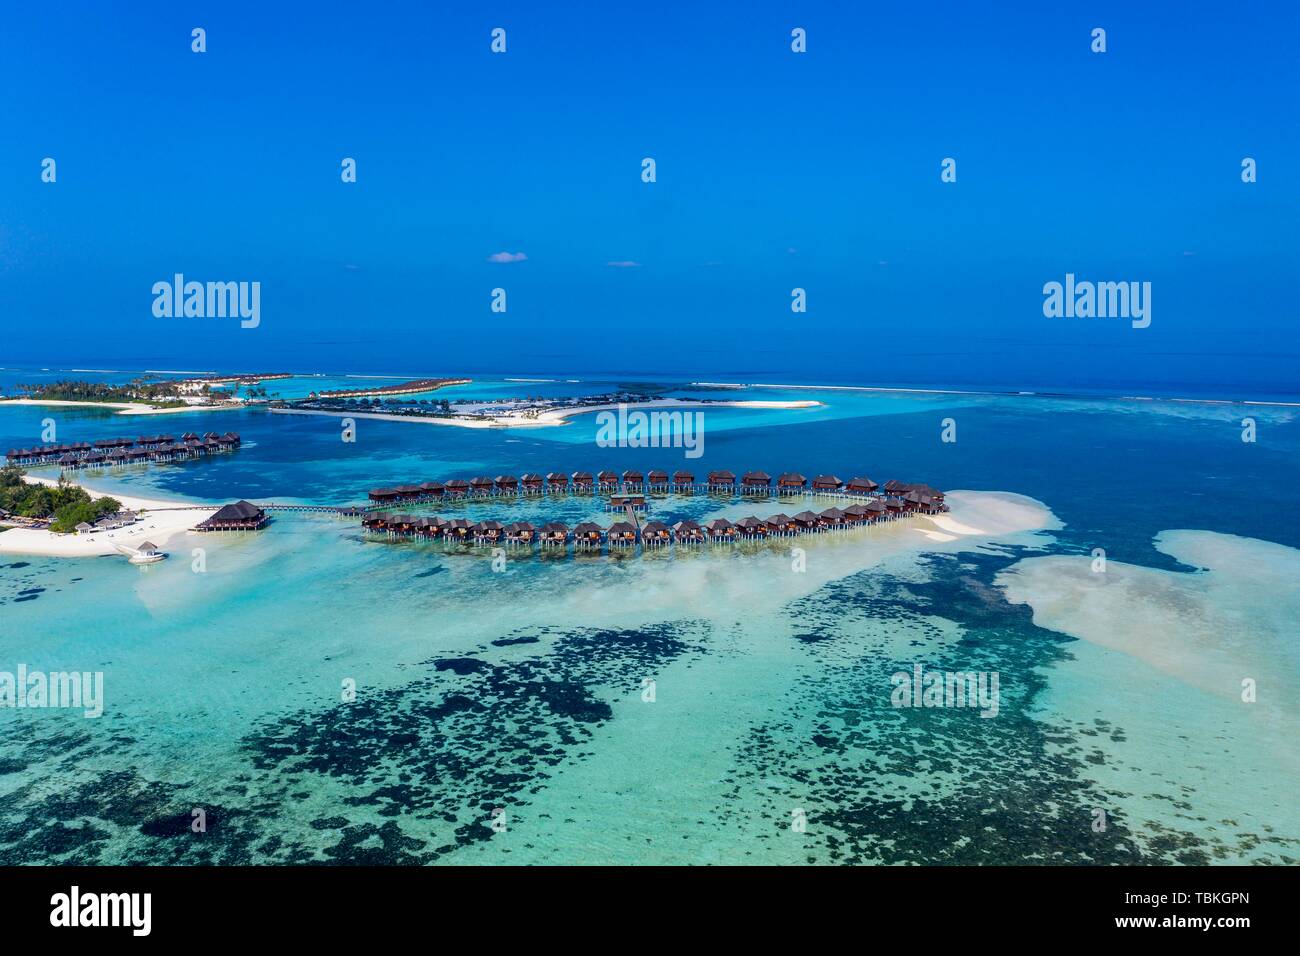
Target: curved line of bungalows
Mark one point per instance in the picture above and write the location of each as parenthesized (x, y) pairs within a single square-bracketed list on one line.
[(589, 536), (112, 452), (680, 482)]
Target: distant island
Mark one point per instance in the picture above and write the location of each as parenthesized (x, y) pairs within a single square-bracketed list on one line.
[(148, 394), (405, 388)]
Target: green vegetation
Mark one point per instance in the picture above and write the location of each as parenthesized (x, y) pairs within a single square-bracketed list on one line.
[(66, 504), (161, 393)]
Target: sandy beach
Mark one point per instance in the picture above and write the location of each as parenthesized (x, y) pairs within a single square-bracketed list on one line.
[(551, 417), (126, 408), (159, 522)]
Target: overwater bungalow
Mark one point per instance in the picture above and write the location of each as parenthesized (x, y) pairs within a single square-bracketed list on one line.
[(533, 484), (582, 481), (520, 533), (458, 529), (241, 516), (857, 514), (657, 480), (481, 487), (487, 532), (751, 527), (688, 532), (587, 535), (781, 525), (633, 479), (506, 484), (861, 486), (683, 482), (926, 491), (722, 480), (621, 534), (805, 521), (655, 534), (409, 492), (831, 519), (554, 534), (624, 500), (456, 488), (557, 482), (923, 503), (893, 507), (755, 482), (438, 526), (827, 483), (607, 480), (432, 489), (720, 529), (791, 482)]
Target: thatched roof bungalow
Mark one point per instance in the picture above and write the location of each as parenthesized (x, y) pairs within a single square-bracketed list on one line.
[(805, 520), (720, 529), (655, 533), (554, 534), (240, 516), (781, 524), (722, 479), (621, 534), (688, 532), (587, 534)]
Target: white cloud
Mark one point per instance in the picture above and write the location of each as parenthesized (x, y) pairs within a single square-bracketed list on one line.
[(507, 257), (624, 264)]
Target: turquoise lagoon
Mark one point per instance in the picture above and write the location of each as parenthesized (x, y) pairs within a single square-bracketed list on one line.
[(519, 696)]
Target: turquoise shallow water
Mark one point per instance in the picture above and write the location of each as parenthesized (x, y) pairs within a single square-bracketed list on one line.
[(518, 696)]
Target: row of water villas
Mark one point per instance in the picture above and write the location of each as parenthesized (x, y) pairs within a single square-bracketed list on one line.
[(680, 482), (112, 452), (624, 534)]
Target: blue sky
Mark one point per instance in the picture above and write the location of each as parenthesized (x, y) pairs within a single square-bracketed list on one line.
[(775, 170)]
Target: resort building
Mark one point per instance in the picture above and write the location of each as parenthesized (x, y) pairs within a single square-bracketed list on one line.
[(241, 516)]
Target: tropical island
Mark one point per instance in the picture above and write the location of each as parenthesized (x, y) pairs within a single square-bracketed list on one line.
[(505, 412), (146, 395)]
